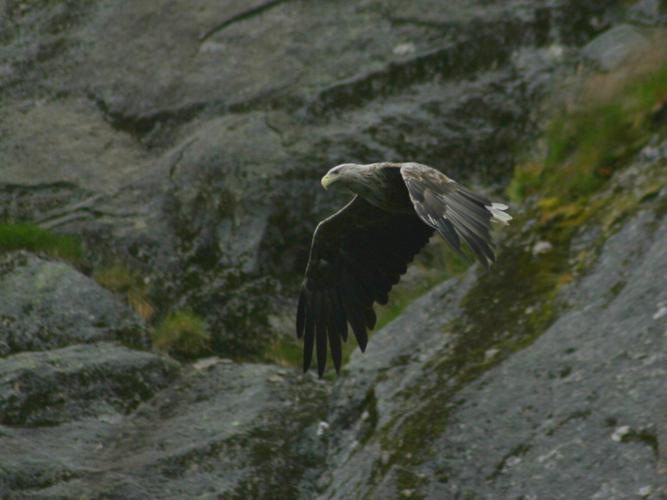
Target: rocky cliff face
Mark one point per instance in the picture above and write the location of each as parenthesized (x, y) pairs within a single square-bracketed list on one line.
[(187, 140)]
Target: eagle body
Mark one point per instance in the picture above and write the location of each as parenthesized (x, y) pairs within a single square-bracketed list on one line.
[(361, 251)]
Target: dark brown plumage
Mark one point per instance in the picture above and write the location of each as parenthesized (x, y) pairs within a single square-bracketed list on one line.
[(361, 251)]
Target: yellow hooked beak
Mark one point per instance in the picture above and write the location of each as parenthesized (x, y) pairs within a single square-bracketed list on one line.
[(326, 180)]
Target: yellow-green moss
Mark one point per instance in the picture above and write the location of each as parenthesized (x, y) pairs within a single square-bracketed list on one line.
[(182, 333), (35, 239)]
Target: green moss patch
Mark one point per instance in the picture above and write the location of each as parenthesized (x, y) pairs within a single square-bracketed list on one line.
[(35, 239)]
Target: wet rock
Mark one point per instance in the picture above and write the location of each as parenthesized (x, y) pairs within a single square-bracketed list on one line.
[(48, 304)]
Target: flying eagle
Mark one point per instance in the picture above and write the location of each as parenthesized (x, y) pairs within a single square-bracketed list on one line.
[(361, 251)]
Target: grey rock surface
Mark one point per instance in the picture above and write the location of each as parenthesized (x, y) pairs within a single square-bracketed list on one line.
[(64, 373), (554, 410), (48, 304), (47, 388), (83, 415)]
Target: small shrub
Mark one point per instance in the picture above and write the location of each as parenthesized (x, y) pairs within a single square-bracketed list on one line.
[(182, 333)]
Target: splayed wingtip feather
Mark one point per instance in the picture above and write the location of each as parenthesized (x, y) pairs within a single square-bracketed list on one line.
[(497, 210)]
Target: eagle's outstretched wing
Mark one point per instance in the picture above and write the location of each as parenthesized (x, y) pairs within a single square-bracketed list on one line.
[(356, 256), (456, 213)]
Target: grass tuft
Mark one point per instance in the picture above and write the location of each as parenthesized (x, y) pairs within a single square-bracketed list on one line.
[(119, 278), (184, 334), (612, 119), (285, 351), (35, 239)]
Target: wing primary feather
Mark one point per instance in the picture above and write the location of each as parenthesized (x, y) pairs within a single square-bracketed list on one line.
[(301, 314), (341, 319), (468, 219), (359, 330), (465, 205), (446, 229), (480, 250), (309, 334), (483, 243), (332, 331), (477, 222), (353, 313), (371, 318), (321, 341), (476, 242), (481, 200)]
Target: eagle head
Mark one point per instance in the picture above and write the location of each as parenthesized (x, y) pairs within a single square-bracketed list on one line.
[(344, 175)]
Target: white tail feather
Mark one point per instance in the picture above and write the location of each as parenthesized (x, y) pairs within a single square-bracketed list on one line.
[(498, 212)]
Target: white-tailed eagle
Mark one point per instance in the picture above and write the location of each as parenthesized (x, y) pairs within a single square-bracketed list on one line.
[(361, 251)]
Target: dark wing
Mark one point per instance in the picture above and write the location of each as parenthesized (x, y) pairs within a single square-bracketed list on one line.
[(456, 213), (356, 256)]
